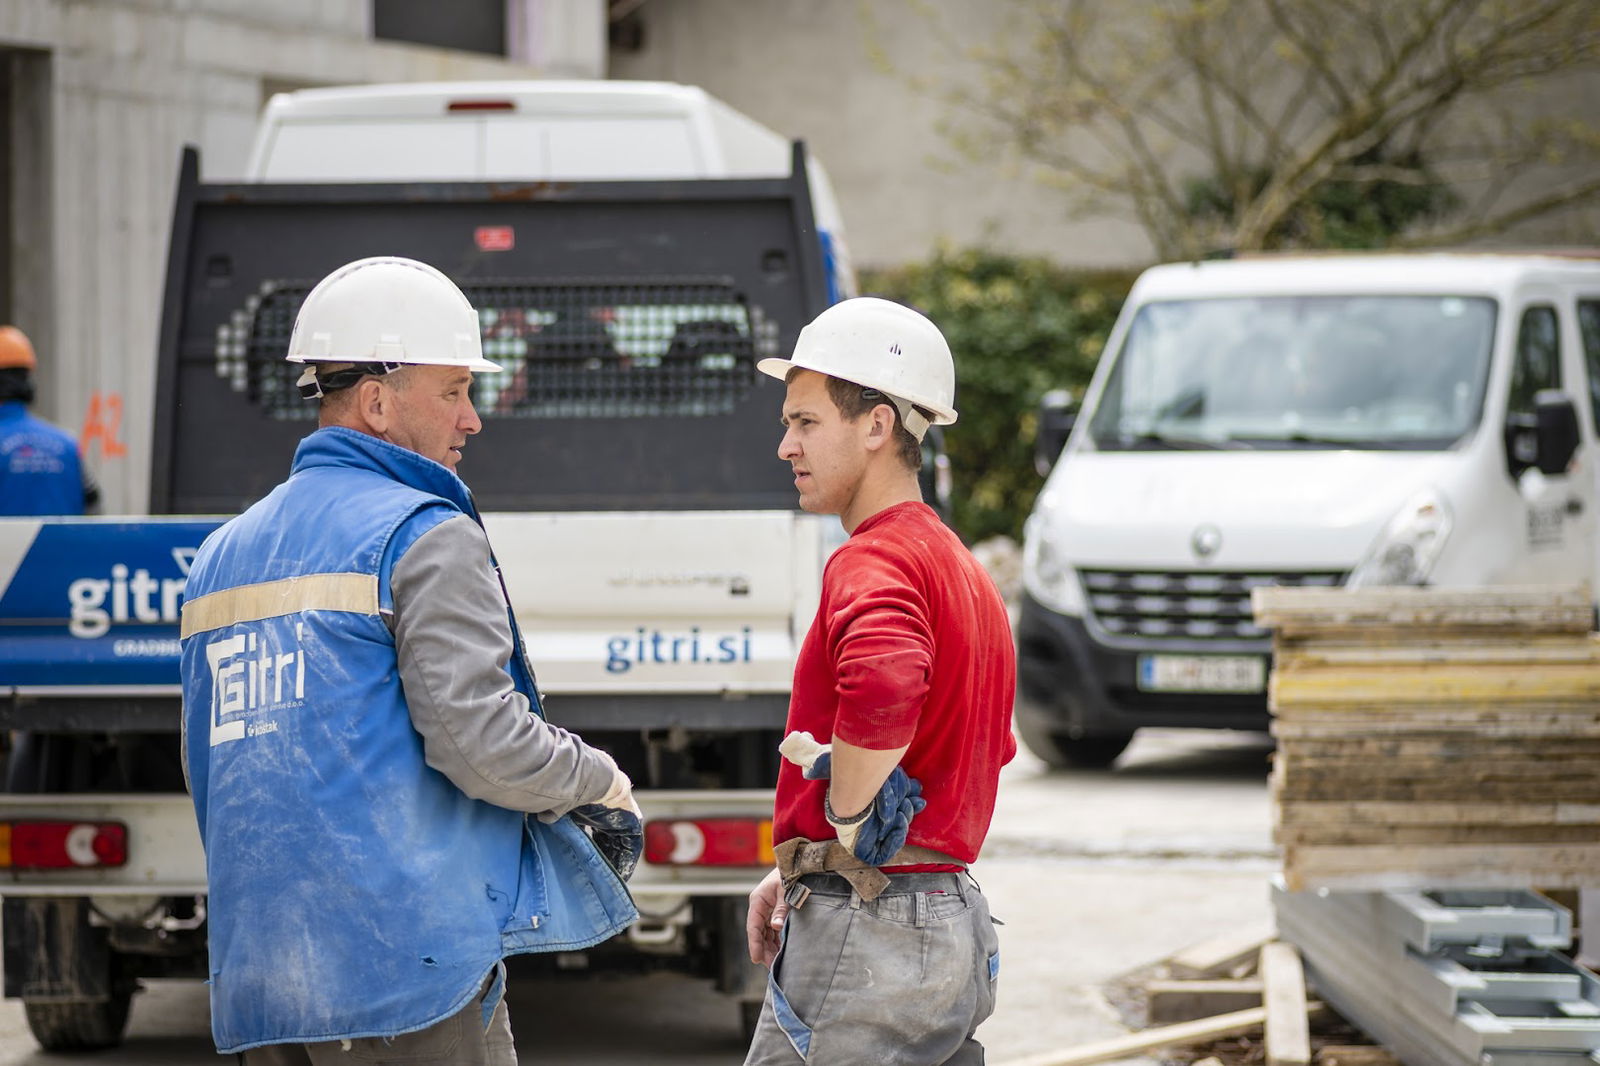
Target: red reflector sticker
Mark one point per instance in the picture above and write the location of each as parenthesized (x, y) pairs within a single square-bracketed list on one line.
[(709, 842), (68, 845), (495, 238)]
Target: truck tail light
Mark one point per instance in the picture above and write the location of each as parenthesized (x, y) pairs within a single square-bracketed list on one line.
[(62, 845), (481, 105), (709, 842)]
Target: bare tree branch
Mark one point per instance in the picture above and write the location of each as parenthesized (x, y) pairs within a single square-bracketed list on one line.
[(1489, 225), (1264, 105)]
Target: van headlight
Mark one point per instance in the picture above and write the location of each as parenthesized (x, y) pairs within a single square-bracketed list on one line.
[(1409, 545), (1046, 573)]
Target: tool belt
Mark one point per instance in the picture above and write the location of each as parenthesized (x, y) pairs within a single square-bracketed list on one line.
[(799, 856)]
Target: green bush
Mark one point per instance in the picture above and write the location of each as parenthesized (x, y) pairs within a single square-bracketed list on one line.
[(1017, 327)]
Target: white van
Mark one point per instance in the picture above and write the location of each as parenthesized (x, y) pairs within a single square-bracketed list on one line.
[(1321, 420), (532, 131)]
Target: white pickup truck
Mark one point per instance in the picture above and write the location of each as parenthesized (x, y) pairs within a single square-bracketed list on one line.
[(628, 480)]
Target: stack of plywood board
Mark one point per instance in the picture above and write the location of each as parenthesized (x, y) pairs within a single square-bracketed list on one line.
[(1434, 738)]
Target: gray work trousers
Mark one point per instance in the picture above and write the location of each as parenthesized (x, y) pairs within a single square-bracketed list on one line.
[(902, 980), (460, 1040)]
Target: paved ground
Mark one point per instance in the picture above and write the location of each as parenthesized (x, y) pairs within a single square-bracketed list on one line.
[(1094, 874)]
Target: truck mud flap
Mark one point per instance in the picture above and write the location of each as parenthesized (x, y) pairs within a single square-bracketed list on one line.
[(51, 951)]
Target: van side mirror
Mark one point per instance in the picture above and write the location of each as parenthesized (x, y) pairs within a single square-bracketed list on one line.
[(1555, 429), (1545, 439), (1058, 413)]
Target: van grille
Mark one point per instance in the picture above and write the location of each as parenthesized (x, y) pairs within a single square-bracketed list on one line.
[(595, 348), (1185, 605)]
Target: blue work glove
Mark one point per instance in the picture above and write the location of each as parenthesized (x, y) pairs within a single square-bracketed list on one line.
[(616, 832), (883, 831), (616, 825)]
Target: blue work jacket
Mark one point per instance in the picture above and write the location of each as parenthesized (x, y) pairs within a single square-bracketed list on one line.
[(40, 473), (354, 890)]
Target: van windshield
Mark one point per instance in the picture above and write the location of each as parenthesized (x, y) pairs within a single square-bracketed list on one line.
[(1363, 372)]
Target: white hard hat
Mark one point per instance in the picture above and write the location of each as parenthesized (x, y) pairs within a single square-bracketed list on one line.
[(389, 311), (879, 344)]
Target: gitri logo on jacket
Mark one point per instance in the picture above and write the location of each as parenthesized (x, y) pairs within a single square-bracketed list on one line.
[(251, 678)]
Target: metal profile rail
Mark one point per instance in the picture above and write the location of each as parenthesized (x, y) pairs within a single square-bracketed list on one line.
[(1460, 978)]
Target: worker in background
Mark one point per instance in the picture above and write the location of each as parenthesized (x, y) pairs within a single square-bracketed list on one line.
[(362, 733), (40, 472), (880, 947)]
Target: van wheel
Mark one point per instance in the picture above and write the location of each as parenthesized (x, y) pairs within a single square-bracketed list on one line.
[(1063, 752), (80, 1025)]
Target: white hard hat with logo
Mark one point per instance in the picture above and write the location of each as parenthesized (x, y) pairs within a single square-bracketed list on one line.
[(882, 345), (376, 315)]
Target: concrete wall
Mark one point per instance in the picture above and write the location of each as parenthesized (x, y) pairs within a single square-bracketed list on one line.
[(813, 69), (807, 70), (114, 89)]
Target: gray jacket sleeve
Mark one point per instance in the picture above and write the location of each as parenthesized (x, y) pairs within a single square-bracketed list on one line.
[(453, 639)]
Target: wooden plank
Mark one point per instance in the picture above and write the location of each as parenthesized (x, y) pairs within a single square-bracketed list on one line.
[(1221, 955), (1121, 1047), (1569, 766), (1311, 652), (1490, 685), (1169, 1001), (1567, 628), (1443, 747), (1354, 1055), (1383, 868), (1307, 723), (1445, 717), (1358, 813), (1465, 791), (1479, 786), (1524, 608), (1431, 835), (1283, 997)]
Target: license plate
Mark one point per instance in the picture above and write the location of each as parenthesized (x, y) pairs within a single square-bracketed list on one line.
[(1202, 673)]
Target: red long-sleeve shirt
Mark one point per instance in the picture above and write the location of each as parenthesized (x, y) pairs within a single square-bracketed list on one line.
[(910, 645)]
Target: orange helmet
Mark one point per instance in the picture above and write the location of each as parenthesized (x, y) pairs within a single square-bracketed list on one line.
[(16, 350)]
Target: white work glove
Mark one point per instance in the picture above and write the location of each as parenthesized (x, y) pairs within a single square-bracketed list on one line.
[(816, 762), (621, 794), (802, 749)]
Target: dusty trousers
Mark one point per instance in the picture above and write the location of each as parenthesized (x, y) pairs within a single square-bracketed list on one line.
[(902, 980), (465, 1038)]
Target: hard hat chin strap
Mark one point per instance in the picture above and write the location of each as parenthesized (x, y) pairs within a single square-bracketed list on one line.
[(319, 379), (915, 421)]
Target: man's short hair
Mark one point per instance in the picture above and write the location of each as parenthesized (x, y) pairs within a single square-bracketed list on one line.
[(854, 400)]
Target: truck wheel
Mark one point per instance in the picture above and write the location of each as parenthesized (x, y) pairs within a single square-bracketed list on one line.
[(78, 1026), (1063, 752)]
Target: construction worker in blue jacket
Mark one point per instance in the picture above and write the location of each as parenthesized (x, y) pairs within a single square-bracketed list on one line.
[(40, 472), (386, 814)]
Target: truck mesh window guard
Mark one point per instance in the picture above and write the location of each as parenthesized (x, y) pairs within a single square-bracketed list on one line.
[(568, 349)]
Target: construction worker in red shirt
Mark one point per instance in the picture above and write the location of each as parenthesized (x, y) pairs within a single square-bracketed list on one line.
[(880, 947)]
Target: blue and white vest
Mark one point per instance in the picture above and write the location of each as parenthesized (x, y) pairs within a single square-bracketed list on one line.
[(354, 890), (40, 473)]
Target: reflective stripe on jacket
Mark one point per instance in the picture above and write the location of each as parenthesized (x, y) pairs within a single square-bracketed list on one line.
[(354, 891)]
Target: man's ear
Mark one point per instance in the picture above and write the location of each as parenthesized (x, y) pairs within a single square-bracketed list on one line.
[(373, 405), (880, 427)]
